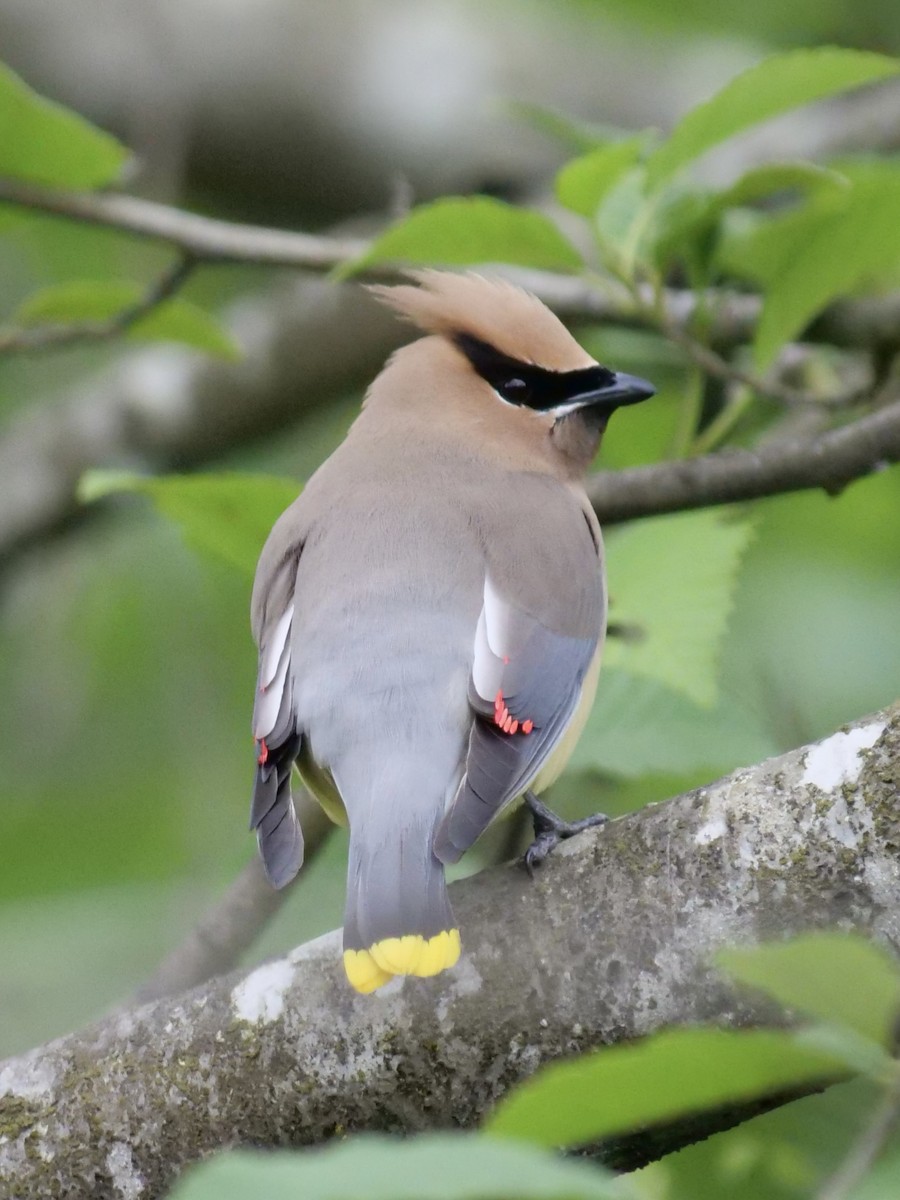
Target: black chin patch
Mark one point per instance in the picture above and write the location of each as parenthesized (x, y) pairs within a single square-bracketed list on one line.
[(526, 384)]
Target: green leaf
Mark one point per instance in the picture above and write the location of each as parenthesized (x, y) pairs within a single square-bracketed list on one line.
[(444, 1166), (467, 230), (687, 220), (583, 182), (682, 229), (771, 178), (663, 1077), (835, 977), (45, 143), (174, 320), (810, 257), (687, 225), (228, 515), (774, 86), (859, 1054), (785, 1154), (679, 622), (622, 208), (638, 726)]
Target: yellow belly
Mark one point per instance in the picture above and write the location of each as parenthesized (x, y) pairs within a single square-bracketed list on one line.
[(322, 786), (556, 763)]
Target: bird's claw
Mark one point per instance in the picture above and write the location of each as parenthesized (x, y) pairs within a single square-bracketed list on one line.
[(550, 830)]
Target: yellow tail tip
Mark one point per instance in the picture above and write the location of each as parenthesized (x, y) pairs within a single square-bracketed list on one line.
[(411, 954), (363, 972)]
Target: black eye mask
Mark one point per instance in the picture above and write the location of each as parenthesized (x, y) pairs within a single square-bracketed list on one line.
[(536, 387)]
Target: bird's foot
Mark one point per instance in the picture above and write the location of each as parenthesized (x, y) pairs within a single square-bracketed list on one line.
[(550, 830)]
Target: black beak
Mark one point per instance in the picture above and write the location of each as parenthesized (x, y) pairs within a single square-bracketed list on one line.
[(624, 389)]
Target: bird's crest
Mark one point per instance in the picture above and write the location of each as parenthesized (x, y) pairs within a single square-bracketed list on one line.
[(492, 310)]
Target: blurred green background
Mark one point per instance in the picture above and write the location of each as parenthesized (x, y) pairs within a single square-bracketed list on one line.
[(126, 662)]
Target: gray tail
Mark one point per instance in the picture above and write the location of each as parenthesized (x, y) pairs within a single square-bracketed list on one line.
[(397, 908), (272, 814), (395, 888)]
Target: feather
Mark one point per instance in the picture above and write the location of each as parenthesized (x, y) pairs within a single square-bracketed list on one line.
[(539, 676), (492, 310), (275, 645)]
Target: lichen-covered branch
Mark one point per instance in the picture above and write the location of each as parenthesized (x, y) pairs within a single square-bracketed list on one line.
[(611, 941)]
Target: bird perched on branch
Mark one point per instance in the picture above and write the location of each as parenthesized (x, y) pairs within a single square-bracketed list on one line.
[(430, 611)]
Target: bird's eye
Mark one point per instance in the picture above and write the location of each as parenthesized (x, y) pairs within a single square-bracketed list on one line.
[(515, 390)]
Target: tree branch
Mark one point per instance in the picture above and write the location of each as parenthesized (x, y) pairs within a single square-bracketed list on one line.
[(733, 315), (204, 238), (26, 340), (166, 408), (610, 942), (830, 460)]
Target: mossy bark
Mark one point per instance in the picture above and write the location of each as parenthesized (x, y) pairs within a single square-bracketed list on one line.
[(611, 941)]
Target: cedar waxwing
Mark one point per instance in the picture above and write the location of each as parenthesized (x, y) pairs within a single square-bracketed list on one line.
[(430, 611)]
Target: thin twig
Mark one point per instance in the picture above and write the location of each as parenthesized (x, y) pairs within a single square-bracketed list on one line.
[(209, 240), (68, 434), (722, 368), (26, 340), (219, 940), (204, 238), (861, 322), (650, 297)]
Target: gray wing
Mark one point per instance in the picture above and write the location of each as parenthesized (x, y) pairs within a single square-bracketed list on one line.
[(525, 688), (278, 742)]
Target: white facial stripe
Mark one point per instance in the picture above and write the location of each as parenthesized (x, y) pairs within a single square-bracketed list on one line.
[(564, 410), (561, 410)]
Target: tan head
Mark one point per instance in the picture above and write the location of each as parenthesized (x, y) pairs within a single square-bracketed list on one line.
[(502, 367)]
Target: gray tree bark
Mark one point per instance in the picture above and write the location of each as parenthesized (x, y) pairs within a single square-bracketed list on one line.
[(610, 942)]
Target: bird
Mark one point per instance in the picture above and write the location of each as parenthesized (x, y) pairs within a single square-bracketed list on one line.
[(430, 611)]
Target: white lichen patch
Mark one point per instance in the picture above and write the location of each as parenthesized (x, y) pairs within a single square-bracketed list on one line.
[(126, 1178), (260, 997), (714, 829), (839, 827), (836, 761), (462, 980), (28, 1079), (39, 1143)]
